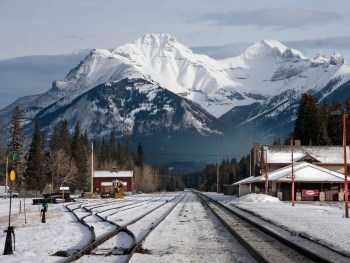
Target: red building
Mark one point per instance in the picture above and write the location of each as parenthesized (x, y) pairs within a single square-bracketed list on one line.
[(102, 180)]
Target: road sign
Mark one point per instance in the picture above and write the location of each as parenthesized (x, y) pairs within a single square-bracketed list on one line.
[(13, 156), (12, 175)]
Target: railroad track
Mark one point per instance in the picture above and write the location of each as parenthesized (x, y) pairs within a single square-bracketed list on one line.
[(264, 242), (117, 227)]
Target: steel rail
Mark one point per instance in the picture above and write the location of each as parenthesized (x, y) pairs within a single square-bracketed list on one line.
[(138, 244), (94, 243), (309, 253)]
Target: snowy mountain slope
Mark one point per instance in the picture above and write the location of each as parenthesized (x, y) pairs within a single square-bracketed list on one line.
[(276, 76), (137, 108), (265, 68), (195, 77), (269, 68), (130, 106), (116, 89)]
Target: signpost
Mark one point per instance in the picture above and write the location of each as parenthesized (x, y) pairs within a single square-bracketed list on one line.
[(10, 230)]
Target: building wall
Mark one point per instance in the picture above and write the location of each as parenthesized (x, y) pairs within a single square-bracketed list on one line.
[(244, 189), (97, 181), (331, 190)]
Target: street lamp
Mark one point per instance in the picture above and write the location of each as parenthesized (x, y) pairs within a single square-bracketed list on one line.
[(345, 163), (266, 176), (292, 148), (50, 185)]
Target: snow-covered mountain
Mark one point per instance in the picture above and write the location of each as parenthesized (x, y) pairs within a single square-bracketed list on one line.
[(157, 86)]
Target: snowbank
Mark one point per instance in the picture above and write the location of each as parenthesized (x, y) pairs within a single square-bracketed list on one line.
[(260, 198)]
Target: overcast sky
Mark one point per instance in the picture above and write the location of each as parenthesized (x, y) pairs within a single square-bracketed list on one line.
[(43, 27), (51, 27)]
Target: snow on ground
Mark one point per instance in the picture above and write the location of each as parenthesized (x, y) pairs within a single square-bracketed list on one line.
[(36, 241), (187, 235)]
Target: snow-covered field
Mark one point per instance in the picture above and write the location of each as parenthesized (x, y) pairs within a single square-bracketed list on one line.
[(188, 234)]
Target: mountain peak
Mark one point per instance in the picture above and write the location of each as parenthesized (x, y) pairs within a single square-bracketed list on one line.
[(273, 44), (336, 59), (150, 42), (151, 49), (157, 39), (268, 48)]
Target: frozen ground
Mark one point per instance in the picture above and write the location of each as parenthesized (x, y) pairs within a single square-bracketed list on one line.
[(187, 235)]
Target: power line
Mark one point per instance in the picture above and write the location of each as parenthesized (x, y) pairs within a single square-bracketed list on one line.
[(192, 154)]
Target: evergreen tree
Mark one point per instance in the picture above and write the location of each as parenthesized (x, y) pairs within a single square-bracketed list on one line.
[(103, 154), (335, 123), (16, 144), (121, 159), (128, 155), (140, 158), (55, 143), (113, 147), (307, 123), (96, 153), (277, 141), (75, 141), (34, 173), (16, 141), (323, 137), (64, 138), (79, 152), (347, 112), (288, 138)]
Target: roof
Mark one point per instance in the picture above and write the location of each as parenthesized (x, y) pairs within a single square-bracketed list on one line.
[(248, 180), (109, 174), (303, 172), (323, 154)]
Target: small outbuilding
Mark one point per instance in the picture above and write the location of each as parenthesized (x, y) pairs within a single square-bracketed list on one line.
[(102, 180)]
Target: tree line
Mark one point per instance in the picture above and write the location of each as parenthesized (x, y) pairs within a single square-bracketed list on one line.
[(65, 159)]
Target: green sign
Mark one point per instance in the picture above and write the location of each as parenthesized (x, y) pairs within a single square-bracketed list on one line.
[(13, 156)]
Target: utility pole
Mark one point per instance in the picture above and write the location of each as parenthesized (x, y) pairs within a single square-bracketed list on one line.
[(217, 164), (7, 175), (292, 148), (92, 168)]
